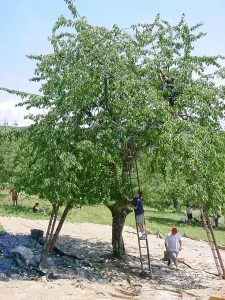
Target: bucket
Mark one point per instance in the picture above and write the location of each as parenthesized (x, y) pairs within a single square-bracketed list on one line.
[(36, 234), (166, 255)]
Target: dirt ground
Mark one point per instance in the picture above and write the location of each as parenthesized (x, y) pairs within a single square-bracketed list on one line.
[(91, 241)]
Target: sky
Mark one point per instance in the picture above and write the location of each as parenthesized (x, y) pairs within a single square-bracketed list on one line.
[(26, 24)]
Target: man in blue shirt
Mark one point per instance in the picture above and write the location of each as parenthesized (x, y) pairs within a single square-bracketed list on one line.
[(139, 213)]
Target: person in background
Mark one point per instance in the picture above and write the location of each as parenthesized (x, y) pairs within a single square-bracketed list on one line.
[(14, 197), (189, 214), (173, 245), (216, 220), (215, 214), (139, 213), (36, 209)]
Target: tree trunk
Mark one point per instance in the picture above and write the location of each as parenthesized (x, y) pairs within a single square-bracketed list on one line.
[(49, 236), (118, 220), (175, 203), (119, 210), (50, 223), (59, 227), (52, 236)]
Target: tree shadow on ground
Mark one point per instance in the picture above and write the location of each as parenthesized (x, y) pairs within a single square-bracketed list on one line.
[(98, 254), (93, 262)]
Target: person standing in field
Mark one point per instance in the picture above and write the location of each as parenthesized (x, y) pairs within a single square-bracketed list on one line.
[(189, 214), (14, 197), (173, 245), (139, 213)]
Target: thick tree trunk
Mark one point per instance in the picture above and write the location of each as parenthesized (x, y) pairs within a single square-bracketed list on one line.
[(175, 203), (118, 220), (119, 210)]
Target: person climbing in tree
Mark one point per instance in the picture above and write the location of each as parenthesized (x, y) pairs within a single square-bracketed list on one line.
[(139, 213), (167, 86), (14, 197)]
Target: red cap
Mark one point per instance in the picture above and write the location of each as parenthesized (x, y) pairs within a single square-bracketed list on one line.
[(174, 230)]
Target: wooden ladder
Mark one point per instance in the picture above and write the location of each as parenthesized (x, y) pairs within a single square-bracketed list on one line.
[(143, 244), (212, 242)]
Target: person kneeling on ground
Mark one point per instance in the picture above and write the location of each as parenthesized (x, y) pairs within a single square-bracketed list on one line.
[(36, 209), (173, 245), (139, 213)]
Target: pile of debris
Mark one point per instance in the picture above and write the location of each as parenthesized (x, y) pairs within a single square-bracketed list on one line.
[(21, 255)]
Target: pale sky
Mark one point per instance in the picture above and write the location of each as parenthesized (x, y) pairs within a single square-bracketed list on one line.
[(26, 24)]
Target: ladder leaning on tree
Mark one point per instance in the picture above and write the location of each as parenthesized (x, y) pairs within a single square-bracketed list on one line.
[(212, 242), (143, 244)]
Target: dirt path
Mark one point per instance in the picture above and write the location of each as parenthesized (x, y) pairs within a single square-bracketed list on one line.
[(91, 241)]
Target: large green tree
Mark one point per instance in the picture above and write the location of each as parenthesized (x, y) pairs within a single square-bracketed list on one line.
[(107, 82)]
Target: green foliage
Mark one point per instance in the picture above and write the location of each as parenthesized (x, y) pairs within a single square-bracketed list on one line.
[(60, 170), (190, 169), (9, 147), (107, 81)]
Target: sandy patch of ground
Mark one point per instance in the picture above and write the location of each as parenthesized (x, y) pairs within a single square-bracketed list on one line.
[(91, 241)]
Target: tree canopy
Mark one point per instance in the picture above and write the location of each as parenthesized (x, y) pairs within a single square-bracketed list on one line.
[(105, 105)]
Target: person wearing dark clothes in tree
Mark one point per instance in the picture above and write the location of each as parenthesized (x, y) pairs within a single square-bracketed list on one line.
[(36, 209), (139, 213), (167, 86)]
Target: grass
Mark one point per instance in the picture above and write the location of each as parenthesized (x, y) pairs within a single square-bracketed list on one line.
[(99, 214)]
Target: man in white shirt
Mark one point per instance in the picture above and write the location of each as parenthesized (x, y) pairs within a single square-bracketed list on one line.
[(173, 245)]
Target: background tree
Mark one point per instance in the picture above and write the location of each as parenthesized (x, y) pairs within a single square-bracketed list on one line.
[(190, 171), (9, 147), (106, 81)]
